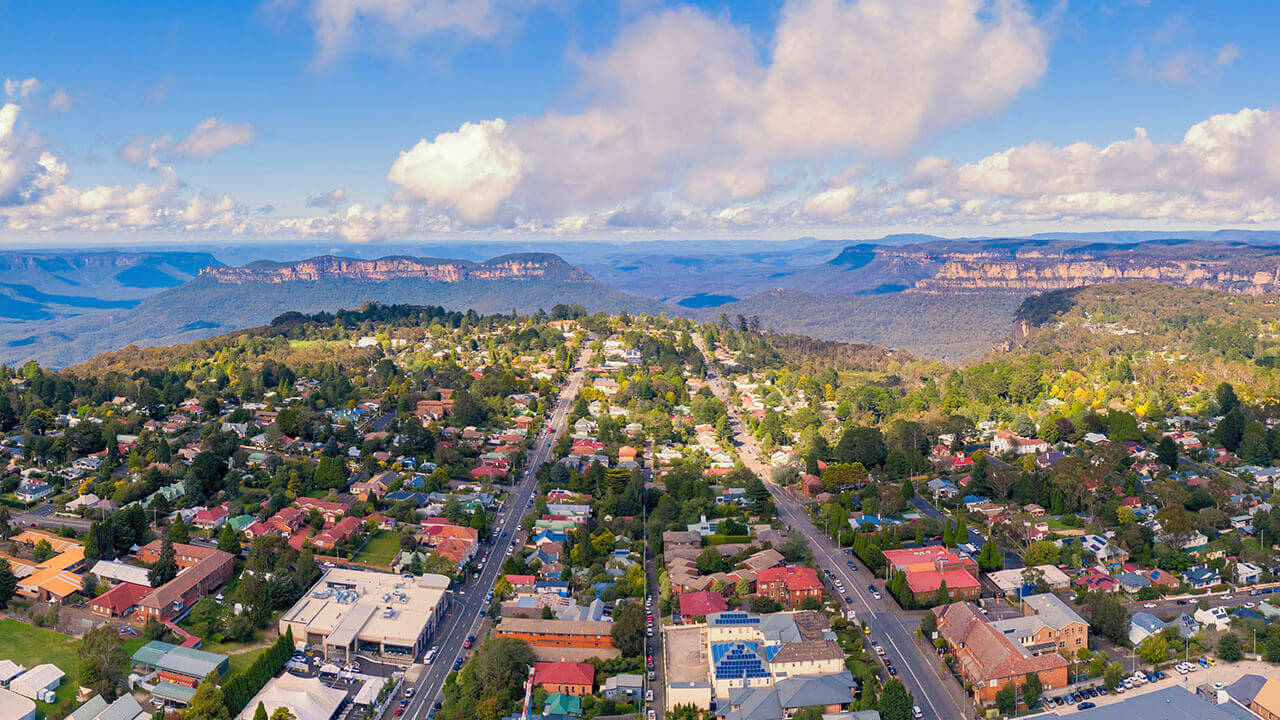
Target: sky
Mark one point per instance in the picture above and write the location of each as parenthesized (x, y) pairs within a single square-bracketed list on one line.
[(368, 121)]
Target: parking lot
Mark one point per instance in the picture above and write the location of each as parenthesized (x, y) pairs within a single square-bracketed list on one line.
[(1221, 673), (684, 658)]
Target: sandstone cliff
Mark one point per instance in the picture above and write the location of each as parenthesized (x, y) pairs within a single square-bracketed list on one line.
[(329, 267)]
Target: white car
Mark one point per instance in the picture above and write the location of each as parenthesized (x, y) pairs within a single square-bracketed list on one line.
[(879, 650), (1149, 605), (916, 712)]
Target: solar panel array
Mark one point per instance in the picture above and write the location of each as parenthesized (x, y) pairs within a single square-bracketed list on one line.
[(739, 661), (736, 618)]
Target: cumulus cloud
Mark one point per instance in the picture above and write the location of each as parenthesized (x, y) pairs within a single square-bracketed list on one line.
[(471, 171), (331, 199), (684, 107), (341, 24), (19, 89), (210, 137), (35, 194), (1225, 169)]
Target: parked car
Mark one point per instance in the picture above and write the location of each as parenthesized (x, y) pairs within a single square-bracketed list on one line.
[(916, 712), (1086, 705)]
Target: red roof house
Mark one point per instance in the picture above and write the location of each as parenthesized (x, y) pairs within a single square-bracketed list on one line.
[(704, 602), (120, 600), (569, 678)]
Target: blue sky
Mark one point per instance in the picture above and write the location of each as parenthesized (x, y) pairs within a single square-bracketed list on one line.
[(633, 119)]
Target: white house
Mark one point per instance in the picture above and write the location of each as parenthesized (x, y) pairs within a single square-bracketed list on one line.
[(1216, 617), (1247, 573), (1005, 441)]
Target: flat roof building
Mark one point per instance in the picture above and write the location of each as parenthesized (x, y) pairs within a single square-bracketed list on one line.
[(351, 611)]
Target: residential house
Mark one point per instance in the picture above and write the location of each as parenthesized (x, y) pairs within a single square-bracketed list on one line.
[(1006, 441), (1200, 577), (789, 585), (567, 678)]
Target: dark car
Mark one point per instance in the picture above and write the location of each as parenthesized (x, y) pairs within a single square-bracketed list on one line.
[(1085, 706)]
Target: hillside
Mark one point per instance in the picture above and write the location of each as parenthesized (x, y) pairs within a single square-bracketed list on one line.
[(221, 300), (953, 327)]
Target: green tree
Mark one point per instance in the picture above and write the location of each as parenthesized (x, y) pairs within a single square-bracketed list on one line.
[(1225, 394), (1167, 452), (43, 551), (1231, 429), (207, 703), (178, 532), (283, 713), (8, 583), (1041, 552), (261, 712), (895, 702), (103, 661), (1154, 648), (627, 630), (207, 616), (1032, 690), (1229, 647), (1114, 675), (1108, 616), (166, 567), (1006, 701), (229, 540), (989, 557)]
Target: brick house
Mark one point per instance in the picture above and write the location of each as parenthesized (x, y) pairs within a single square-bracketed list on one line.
[(789, 584)]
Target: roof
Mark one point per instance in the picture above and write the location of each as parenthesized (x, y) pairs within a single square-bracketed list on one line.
[(37, 678), (809, 651), (833, 689), (560, 627), (1146, 621), (795, 577), (562, 704), (181, 660), (703, 602), (1268, 698), (174, 691), (10, 670), (14, 706), (90, 709), (124, 708), (1053, 611), (123, 572), (1171, 703), (121, 597), (1246, 688), (754, 704), (307, 698), (988, 653), (569, 673), (931, 580)]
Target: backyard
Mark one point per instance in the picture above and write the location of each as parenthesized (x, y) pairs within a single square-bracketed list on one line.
[(380, 550)]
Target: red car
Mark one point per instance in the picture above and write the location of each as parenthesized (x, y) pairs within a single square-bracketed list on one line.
[(399, 711)]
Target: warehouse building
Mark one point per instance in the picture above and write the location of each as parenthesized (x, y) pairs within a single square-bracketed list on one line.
[(15, 707), (179, 665), (350, 611)]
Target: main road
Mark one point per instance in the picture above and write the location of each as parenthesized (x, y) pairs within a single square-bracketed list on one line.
[(468, 613), (890, 626)]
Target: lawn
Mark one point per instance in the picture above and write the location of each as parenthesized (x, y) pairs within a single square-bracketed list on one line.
[(241, 660), (31, 646), (381, 549)]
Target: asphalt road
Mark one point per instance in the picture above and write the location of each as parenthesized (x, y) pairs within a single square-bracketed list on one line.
[(891, 627), (467, 615), (44, 517)]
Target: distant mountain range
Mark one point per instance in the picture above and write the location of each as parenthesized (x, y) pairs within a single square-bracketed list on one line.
[(947, 299), (222, 299)]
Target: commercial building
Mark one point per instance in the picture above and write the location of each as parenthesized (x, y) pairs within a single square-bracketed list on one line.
[(749, 651), (202, 570), (350, 611), (988, 660), (179, 665), (927, 568), (554, 639), (306, 698)]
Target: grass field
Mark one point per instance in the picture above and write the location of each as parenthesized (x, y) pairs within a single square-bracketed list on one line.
[(381, 549), (31, 646), (241, 660)]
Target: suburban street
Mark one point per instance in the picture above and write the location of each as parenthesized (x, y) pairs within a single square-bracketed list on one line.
[(892, 627), (468, 612)]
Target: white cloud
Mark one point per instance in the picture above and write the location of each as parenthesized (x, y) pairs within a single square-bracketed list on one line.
[(471, 171), (1227, 54), (331, 199), (397, 24), (682, 109), (19, 89), (60, 101), (212, 135), (1225, 169)]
